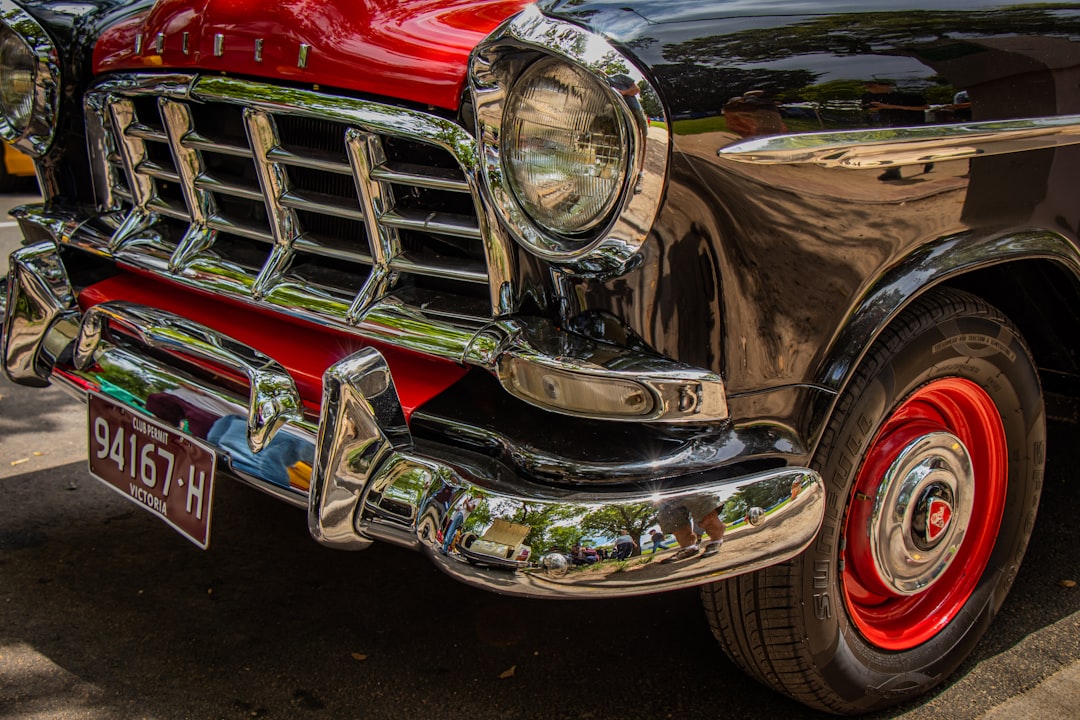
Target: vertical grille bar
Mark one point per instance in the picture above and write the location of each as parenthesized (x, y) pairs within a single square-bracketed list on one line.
[(365, 153), (200, 203), (132, 151), (263, 137)]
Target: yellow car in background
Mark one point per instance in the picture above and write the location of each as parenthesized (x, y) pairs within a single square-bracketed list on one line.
[(15, 166)]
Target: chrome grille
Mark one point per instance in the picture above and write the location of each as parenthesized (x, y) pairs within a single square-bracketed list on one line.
[(317, 204)]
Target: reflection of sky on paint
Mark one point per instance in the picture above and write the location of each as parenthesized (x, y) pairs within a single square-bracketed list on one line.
[(850, 67), (673, 11)]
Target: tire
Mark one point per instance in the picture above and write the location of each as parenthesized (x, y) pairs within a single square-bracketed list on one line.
[(873, 612)]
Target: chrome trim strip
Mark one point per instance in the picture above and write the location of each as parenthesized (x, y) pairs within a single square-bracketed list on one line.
[(37, 136), (274, 399), (145, 132), (884, 147), (536, 355), (157, 172), (493, 68), (206, 181), (444, 271), (302, 244), (219, 222)]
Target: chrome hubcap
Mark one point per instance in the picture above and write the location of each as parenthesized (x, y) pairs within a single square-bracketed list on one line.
[(921, 512)]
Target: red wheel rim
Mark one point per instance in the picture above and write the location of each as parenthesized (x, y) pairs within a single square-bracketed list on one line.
[(924, 514)]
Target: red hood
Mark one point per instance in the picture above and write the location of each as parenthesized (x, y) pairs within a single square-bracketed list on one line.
[(409, 49)]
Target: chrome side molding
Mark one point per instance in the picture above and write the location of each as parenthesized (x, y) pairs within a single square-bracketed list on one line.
[(895, 147)]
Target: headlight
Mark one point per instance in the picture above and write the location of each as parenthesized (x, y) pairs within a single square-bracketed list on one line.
[(570, 162), (564, 147), (17, 68), (29, 79)]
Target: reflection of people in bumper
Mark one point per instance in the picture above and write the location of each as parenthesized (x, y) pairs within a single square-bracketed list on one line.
[(461, 514), (624, 545), (678, 517), (272, 463), (657, 540)]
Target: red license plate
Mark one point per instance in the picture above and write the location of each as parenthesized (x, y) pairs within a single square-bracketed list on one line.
[(155, 466)]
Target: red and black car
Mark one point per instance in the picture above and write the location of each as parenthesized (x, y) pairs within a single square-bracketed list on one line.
[(773, 278)]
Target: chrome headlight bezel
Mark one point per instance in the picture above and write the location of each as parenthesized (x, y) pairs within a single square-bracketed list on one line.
[(610, 244), (35, 135)]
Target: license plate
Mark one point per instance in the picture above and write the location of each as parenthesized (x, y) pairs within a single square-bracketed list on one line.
[(165, 472)]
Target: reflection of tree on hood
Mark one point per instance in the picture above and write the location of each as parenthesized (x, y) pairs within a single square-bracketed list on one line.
[(867, 33), (702, 88)]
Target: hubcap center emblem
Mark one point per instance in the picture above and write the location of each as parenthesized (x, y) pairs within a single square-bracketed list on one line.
[(939, 513), (932, 517)]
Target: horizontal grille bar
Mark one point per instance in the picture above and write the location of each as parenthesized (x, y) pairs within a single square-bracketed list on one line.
[(198, 142), (323, 204), (442, 223)]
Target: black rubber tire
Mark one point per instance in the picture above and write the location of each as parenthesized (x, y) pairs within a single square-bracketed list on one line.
[(788, 626)]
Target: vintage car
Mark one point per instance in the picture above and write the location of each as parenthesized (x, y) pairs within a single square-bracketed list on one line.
[(583, 267)]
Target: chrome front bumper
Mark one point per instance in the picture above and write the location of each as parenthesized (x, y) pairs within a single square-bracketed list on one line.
[(370, 479)]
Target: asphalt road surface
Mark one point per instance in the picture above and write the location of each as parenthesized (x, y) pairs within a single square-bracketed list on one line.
[(107, 613)]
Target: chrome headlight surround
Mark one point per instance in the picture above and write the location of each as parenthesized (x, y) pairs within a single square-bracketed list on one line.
[(615, 228), (32, 132)]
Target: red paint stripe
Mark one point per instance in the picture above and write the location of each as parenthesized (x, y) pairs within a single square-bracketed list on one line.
[(305, 350)]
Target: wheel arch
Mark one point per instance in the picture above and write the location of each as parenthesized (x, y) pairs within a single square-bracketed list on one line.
[(1020, 273)]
